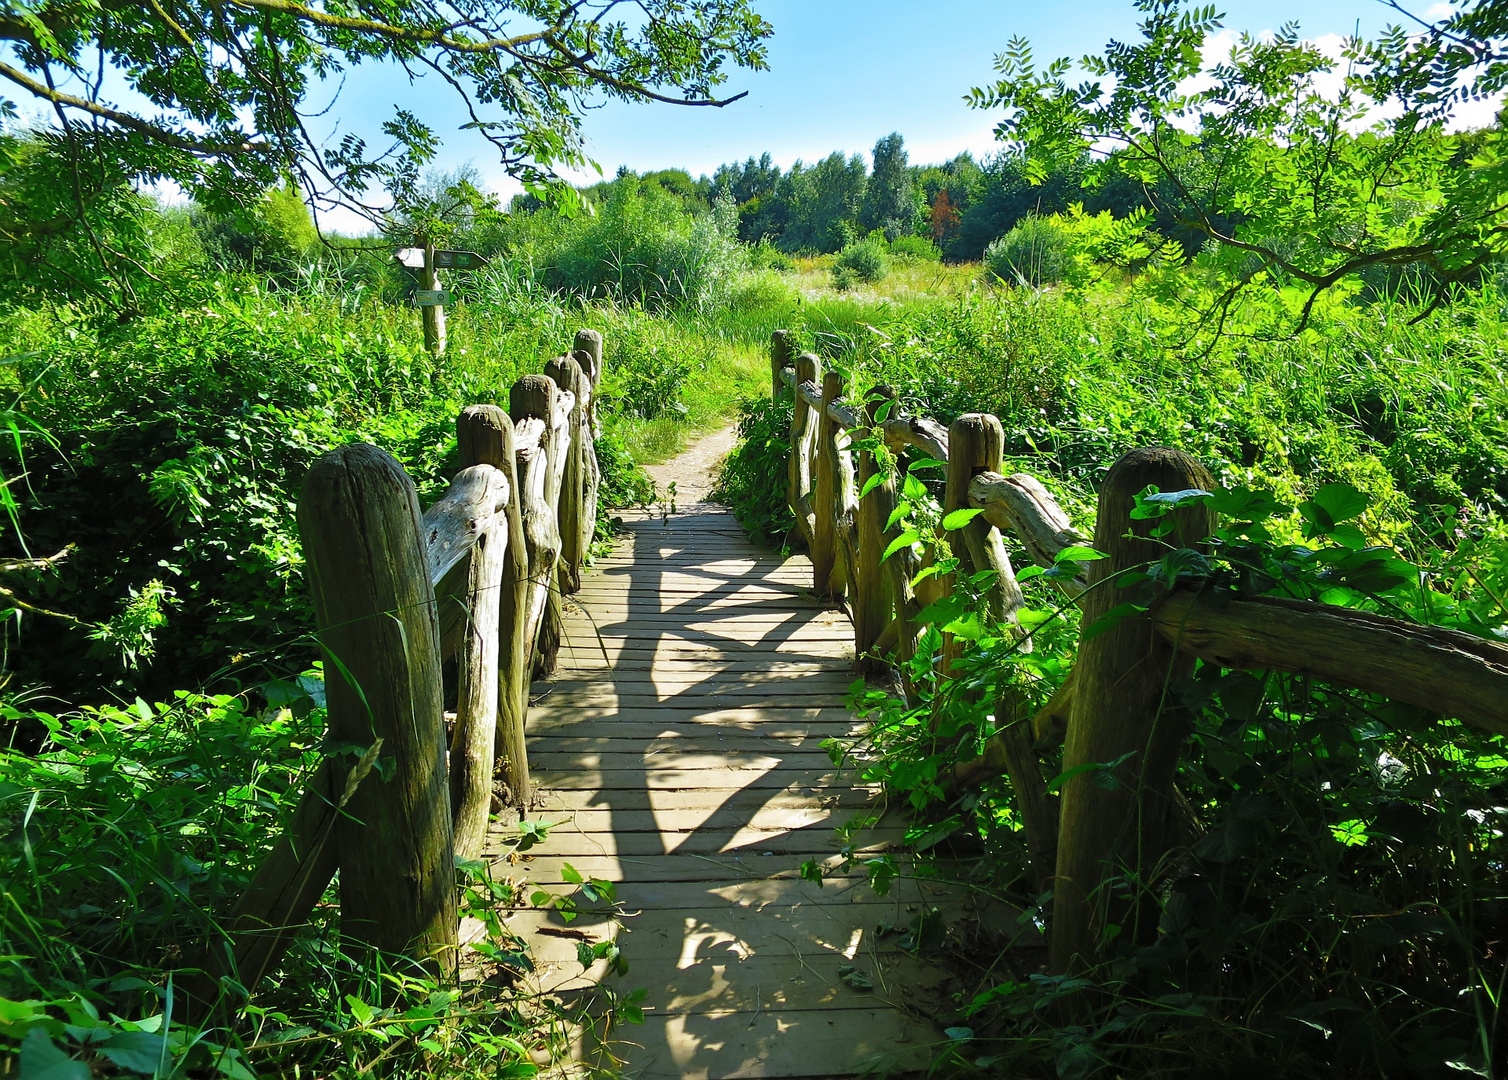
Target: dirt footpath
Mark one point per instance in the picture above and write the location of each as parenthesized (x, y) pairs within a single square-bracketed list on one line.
[(694, 470)]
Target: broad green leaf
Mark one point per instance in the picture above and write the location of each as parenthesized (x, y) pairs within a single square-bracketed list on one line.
[(571, 874), (926, 463), (1153, 504), (943, 611), (138, 1051), (1341, 501), (968, 626), (1110, 619), (1079, 553), (900, 511), (913, 489), (1088, 766), (873, 482), (40, 1059), (1245, 504), (855, 978), (906, 539), (923, 574), (959, 518)]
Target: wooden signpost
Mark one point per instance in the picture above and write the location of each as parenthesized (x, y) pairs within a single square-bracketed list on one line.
[(430, 298)]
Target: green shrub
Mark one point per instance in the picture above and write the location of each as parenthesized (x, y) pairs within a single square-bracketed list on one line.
[(861, 261), (766, 256), (1036, 253), (917, 248), (642, 246), (751, 482), (624, 483)]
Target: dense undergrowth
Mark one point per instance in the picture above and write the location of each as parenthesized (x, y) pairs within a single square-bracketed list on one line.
[(1342, 910), (1339, 910)]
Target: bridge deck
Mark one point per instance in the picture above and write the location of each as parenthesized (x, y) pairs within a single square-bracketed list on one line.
[(679, 746)]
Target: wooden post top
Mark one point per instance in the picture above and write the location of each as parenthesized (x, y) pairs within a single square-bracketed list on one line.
[(484, 436), (976, 444), (533, 395), (566, 372)]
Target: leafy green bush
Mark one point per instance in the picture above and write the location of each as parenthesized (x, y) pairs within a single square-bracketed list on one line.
[(181, 442), (916, 248), (1036, 253), (766, 256), (642, 245), (623, 483), (861, 261), (127, 832), (751, 482), (1336, 893)]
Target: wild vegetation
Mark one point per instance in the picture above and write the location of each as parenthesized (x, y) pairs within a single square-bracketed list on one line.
[(1315, 312), (1293, 303)]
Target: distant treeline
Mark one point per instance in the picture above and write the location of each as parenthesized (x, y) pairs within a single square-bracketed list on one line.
[(960, 205)]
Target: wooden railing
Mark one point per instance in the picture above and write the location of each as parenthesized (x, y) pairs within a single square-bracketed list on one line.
[(478, 577), (1112, 707)]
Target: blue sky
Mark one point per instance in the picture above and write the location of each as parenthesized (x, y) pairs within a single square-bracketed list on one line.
[(842, 74)]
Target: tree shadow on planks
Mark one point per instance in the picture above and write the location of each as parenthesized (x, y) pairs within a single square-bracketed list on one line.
[(680, 748)]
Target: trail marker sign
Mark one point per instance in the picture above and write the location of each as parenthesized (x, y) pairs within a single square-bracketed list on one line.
[(459, 260), (411, 257), (432, 297)]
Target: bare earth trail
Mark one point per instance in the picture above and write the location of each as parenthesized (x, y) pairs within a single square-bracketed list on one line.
[(679, 747)]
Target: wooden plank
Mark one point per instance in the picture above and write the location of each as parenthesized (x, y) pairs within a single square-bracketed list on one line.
[(766, 818), (552, 802), (771, 1043), (816, 839), (773, 894), (850, 930), (549, 759), (562, 714), (769, 665), (717, 978), (547, 870), (693, 737), (682, 779), (690, 703), (834, 682)]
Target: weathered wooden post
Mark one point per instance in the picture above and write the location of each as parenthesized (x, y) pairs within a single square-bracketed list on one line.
[(533, 398), (473, 741), (484, 434), (588, 354), (567, 375), (590, 342), (873, 598), (433, 314), (827, 576), (976, 443), (781, 345), (358, 516), (1121, 709), (803, 432)]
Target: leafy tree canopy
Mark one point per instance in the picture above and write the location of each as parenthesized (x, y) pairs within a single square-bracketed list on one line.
[(1303, 169), (234, 84)]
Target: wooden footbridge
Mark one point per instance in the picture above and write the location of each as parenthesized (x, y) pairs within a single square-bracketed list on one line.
[(679, 748), (665, 709)]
